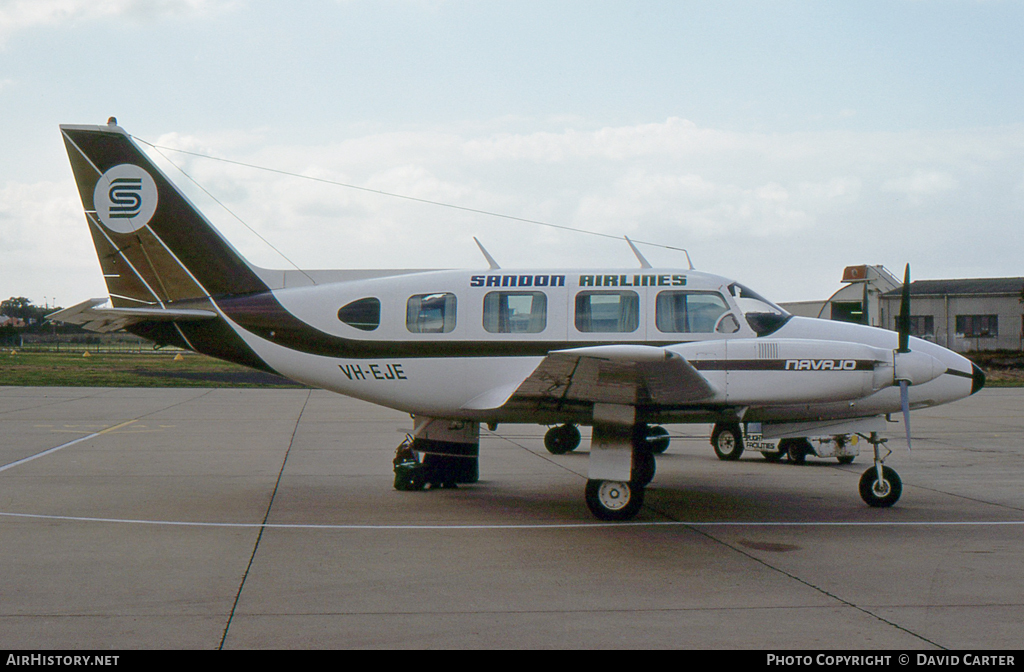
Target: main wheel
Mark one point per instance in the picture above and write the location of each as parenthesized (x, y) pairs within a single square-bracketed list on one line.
[(614, 500), (881, 493), (727, 440), (658, 439), (562, 439)]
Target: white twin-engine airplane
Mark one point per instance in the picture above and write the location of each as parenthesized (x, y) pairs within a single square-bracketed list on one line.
[(622, 351)]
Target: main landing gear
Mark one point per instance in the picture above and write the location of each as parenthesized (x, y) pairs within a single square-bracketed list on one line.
[(608, 495), (622, 464), (614, 500), (562, 439), (566, 438)]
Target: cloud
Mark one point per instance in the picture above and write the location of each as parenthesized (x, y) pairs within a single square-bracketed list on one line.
[(44, 249), (921, 185), (782, 212), (17, 15)]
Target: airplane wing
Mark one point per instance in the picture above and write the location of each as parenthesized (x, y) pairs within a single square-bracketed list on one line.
[(103, 320), (611, 374)]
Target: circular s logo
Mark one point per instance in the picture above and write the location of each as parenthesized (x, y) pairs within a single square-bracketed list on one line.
[(125, 198)]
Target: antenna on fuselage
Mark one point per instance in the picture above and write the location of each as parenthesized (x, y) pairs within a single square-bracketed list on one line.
[(490, 260), (643, 260)]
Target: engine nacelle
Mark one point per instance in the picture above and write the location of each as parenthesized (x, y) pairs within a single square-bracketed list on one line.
[(789, 371)]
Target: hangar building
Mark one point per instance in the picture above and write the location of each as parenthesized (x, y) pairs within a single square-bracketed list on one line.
[(962, 315)]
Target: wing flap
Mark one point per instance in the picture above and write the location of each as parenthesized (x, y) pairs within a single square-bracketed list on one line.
[(631, 375)]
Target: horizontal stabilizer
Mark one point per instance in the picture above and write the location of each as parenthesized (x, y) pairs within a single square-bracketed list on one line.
[(91, 317)]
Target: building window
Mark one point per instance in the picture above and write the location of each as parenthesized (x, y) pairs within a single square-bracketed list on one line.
[(362, 314), (430, 313), (977, 326), (607, 312), (922, 326), (691, 312), (515, 312)]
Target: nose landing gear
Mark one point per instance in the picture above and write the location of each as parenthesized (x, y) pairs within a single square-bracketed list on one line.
[(880, 486)]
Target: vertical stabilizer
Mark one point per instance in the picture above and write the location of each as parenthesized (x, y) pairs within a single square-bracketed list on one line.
[(154, 246)]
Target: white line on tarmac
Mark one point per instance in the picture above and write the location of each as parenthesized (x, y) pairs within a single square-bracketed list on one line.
[(533, 526), (63, 446)]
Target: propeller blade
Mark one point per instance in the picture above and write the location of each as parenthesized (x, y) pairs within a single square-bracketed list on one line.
[(905, 403), (903, 320)]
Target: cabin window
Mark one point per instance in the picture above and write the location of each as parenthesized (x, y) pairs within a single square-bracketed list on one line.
[(515, 312), (607, 312), (430, 313), (362, 314), (692, 312)]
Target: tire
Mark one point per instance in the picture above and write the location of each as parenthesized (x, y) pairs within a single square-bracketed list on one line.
[(845, 459), (658, 439), (614, 500), (727, 440), (562, 439), (797, 449), (884, 494)]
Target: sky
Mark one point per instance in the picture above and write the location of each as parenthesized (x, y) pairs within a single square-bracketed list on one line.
[(777, 142)]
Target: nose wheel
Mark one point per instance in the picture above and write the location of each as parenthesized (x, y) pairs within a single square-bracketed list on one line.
[(881, 491), (880, 486)]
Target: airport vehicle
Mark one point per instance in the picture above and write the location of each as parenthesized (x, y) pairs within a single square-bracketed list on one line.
[(620, 350), (729, 440)]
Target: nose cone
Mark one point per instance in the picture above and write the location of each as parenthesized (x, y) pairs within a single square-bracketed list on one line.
[(978, 378)]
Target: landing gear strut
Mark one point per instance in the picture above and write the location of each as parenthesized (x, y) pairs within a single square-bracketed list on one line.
[(880, 486)]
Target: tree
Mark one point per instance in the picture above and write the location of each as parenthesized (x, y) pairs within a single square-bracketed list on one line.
[(17, 307)]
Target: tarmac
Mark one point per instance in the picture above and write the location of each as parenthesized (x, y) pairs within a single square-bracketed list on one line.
[(244, 519)]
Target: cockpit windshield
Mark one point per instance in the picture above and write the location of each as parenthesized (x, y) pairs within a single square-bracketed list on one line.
[(763, 316)]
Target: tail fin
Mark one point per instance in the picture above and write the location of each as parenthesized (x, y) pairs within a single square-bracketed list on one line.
[(154, 246)]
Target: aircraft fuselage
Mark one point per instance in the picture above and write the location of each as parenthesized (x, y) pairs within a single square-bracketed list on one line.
[(446, 357)]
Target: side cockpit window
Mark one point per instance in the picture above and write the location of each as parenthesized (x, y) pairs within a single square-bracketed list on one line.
[(362, 314), (607, 312), (693, 312), (515, 312), (763, 316), (430, 313)]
